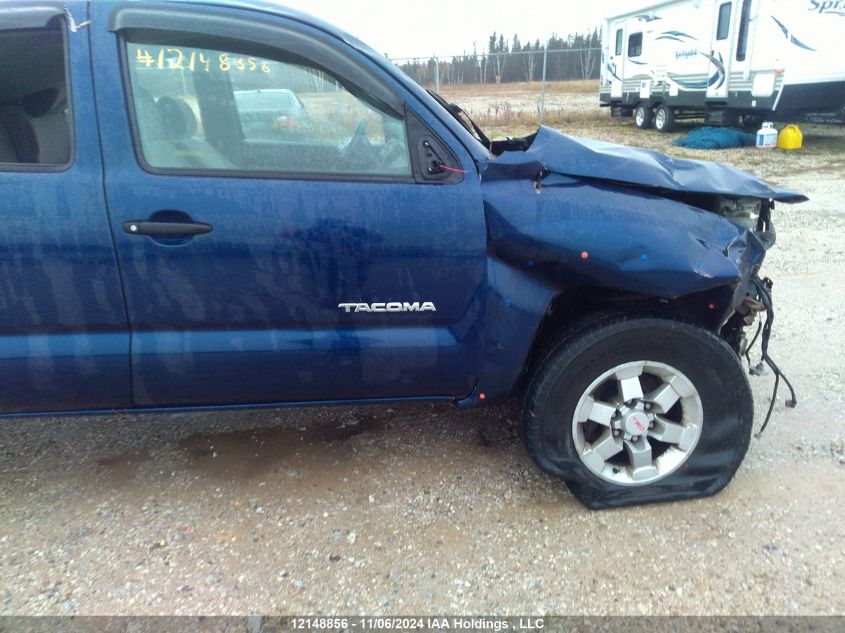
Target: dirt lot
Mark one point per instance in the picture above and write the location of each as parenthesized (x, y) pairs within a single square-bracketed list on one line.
[(422, 509)]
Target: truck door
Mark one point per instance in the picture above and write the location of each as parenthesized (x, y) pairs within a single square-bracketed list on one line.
[(276, 242), (720, 54), (64, 341)]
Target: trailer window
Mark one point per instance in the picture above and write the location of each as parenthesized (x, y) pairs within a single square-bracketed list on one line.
[(742, 38), (619, 42), (635, 45), (724, 26)]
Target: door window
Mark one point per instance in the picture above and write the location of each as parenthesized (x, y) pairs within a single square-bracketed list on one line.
[(35, 124), (635, 45), (723, 27), (221, 105), (619, 42), (742, 37)]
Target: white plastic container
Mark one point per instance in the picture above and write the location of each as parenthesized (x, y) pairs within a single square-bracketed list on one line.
[(767, 136)]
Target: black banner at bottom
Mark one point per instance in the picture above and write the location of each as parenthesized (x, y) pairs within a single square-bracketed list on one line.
[(422, 624)]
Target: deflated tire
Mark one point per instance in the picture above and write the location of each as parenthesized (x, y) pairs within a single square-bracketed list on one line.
[(638, 410)]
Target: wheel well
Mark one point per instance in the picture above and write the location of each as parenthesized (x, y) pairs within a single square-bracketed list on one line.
[(708, 309)]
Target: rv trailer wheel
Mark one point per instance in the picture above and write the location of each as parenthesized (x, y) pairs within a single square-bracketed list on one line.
[(664, 118), (643, 116), (752, 121)]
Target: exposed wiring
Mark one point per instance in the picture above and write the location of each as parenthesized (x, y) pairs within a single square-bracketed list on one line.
[(764, 287), (749, 347)]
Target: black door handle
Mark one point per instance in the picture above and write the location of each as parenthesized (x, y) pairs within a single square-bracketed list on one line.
[(165, 229)]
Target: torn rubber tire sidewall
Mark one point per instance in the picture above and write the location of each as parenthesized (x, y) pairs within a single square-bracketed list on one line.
[(584, 354)]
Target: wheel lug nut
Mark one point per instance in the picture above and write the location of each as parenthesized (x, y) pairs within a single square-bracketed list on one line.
[(616, 432)]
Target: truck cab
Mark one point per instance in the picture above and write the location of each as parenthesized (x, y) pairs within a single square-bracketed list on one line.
[(167, 243)]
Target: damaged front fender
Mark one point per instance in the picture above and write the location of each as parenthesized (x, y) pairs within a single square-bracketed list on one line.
[(565, 214), (567, 233), (574, 233)]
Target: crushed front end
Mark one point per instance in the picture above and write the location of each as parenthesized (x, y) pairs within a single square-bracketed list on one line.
[(596, 221)]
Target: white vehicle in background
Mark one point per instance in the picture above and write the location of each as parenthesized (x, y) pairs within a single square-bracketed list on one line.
[(726, 60)]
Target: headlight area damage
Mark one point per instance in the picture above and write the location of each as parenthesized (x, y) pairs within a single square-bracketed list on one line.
[(631, 224), (624, 218)]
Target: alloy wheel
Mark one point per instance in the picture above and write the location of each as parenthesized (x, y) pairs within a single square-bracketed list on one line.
[(637, 423)]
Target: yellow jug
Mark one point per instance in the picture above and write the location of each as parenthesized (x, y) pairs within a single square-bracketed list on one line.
[(790, 137)]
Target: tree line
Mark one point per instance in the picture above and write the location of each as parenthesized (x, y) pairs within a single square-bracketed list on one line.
[(507, 61)]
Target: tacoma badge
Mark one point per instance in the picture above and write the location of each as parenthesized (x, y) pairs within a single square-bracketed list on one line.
[(394, 306)]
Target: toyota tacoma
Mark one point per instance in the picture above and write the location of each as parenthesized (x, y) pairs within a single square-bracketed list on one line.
[(156, 254)]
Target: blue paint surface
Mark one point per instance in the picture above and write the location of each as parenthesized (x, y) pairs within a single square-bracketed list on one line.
[(63, 331), (93, 318)]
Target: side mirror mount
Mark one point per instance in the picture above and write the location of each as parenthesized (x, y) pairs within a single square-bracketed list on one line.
[(432, 160)]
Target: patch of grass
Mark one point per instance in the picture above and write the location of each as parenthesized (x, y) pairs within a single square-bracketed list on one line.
[(524, 123), (587, 86)]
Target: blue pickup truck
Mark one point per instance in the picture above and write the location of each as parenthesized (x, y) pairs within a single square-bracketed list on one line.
[(166, 245)]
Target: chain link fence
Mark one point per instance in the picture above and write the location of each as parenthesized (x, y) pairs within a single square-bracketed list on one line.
[(526, 74)]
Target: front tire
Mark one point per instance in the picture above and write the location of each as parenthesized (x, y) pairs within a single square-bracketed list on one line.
[(664, 118), (638, 410)]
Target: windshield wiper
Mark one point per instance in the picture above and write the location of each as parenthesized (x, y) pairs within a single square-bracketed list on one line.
[(463, 118)]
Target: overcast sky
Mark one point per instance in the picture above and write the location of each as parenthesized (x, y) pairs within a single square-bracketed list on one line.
[(402, 28)]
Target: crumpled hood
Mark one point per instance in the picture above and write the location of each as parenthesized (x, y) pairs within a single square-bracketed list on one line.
[(558, 153)]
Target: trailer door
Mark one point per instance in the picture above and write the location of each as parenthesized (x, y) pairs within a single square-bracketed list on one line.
[(720, 53), (616, 64)]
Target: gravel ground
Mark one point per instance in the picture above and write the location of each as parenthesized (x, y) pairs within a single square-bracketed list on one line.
[(424, 509)]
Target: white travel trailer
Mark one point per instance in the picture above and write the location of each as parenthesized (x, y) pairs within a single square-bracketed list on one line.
[(781, 60)]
